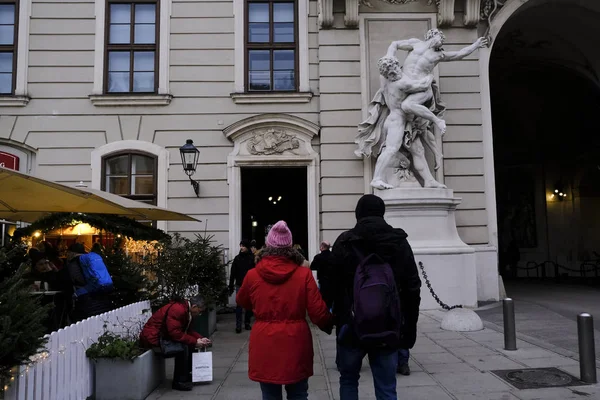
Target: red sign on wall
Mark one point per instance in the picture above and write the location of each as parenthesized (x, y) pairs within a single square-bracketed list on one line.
[(9, 161)]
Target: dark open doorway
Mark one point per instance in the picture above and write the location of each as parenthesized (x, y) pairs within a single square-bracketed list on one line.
[(545, 93), (273, 194)]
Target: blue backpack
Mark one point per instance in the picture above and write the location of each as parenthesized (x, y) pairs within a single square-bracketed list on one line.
[(376, 314), (95, 272)]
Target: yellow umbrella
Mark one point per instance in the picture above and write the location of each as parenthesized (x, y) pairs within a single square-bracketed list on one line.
[(147, 211), (27, 198)]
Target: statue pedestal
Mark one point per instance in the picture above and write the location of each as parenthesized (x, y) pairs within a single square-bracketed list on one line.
[(427, 216)]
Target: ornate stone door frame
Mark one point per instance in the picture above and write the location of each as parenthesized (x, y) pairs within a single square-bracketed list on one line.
[(272, 140)]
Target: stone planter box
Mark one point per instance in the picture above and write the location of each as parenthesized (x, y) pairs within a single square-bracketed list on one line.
[(126, 380), (206, 324)]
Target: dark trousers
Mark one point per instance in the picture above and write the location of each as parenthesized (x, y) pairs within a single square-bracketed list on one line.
[(183, 366), (383, 367), (238, 314), (295, 391), (403, 356)]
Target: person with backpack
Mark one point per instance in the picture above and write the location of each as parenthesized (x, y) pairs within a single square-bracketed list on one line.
[(375, 289)]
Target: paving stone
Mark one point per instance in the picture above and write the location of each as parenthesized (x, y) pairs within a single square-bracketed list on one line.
[(439, 337), (487, 396), (415, 379), (555, 361), (427, 349), (449, 368), (422, 393), (239, 393), (524, 353), (462, 342), (471, 382), (436, 358), (473, 351), (487, 363), (238, 379), (553, 394)]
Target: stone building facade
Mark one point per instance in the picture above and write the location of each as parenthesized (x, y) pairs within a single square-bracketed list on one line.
[(88, 80)]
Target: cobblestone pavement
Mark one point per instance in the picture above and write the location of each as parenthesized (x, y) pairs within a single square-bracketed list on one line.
[(445, 365)]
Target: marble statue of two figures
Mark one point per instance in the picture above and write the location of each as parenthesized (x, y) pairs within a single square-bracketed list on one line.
[(407, 112)]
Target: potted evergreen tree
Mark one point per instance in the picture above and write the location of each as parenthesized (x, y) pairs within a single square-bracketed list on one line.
[(186, 268), (21, 315)]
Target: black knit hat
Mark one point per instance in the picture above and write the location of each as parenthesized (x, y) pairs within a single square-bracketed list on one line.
[(245, 243), (369, 206), (77, 248)]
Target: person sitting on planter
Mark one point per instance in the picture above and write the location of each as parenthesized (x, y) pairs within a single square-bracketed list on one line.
[(93, 284), (242, 263), (177, 315)]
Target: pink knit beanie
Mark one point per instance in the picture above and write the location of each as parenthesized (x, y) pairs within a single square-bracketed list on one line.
[(279, 236)]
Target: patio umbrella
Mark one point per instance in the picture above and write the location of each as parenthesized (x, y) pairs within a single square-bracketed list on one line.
[(27, 198), (147, 211)]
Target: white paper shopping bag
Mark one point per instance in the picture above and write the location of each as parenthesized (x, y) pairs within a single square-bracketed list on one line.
[(202, 367)]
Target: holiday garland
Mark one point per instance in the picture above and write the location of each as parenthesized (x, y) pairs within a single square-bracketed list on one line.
[(106, 222)]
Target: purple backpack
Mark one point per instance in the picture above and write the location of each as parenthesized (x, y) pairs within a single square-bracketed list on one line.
[(376, 312)]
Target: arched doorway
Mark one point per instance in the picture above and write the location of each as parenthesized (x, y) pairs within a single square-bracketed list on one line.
[(545, 101)]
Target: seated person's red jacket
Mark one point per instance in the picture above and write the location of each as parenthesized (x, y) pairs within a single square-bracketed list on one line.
[(178, 325)]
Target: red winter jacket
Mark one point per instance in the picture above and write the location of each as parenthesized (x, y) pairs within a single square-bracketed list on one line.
[(280, 293), (178, 322)]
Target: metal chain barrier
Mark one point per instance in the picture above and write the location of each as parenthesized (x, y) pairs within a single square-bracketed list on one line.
[(435, 296)]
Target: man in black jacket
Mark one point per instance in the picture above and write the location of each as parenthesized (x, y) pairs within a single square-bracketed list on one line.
[(371, 235), (242, 263), (322, 263)]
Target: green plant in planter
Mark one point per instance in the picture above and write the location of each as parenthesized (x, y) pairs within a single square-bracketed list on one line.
[(187, 267), (111, 345), (21, 314), (118, 341)]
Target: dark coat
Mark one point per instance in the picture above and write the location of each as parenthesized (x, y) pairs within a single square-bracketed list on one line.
[(178, 325), (242, 263), (374, 235), (321, 263), (281, 293)]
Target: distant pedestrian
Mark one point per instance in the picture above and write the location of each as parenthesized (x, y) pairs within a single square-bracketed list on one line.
[(281, 293), (377, 315), (242, 263), (322, 264)]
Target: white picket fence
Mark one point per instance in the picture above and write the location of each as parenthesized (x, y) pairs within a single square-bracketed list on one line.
[(62, 371)]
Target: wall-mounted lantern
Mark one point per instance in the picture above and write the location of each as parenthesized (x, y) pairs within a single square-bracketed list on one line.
[(189, 158)]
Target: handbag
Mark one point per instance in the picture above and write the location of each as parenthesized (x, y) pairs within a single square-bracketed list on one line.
[(168, 348)]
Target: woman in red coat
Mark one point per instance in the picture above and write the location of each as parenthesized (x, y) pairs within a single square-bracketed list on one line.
[(280, 292), (177, 315)]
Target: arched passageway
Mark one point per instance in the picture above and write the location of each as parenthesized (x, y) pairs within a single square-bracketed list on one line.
[(545, 95)]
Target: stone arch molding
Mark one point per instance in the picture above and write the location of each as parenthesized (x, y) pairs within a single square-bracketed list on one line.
[(272, 140), (272, 137), (162, 172)]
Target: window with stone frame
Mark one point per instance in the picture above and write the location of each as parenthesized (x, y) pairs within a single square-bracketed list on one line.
[(131, 47), (271, 59), (9, 10), (131, 175)]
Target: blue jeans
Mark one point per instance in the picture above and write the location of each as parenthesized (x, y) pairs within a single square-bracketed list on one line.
[(238, 313), (295, 391), (383, 366), (403, 356)]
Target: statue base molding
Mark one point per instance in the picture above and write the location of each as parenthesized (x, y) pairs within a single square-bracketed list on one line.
[(428, 217)]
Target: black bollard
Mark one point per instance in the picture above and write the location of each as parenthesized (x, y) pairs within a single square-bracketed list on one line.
[(510, 332), (587, 348)]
